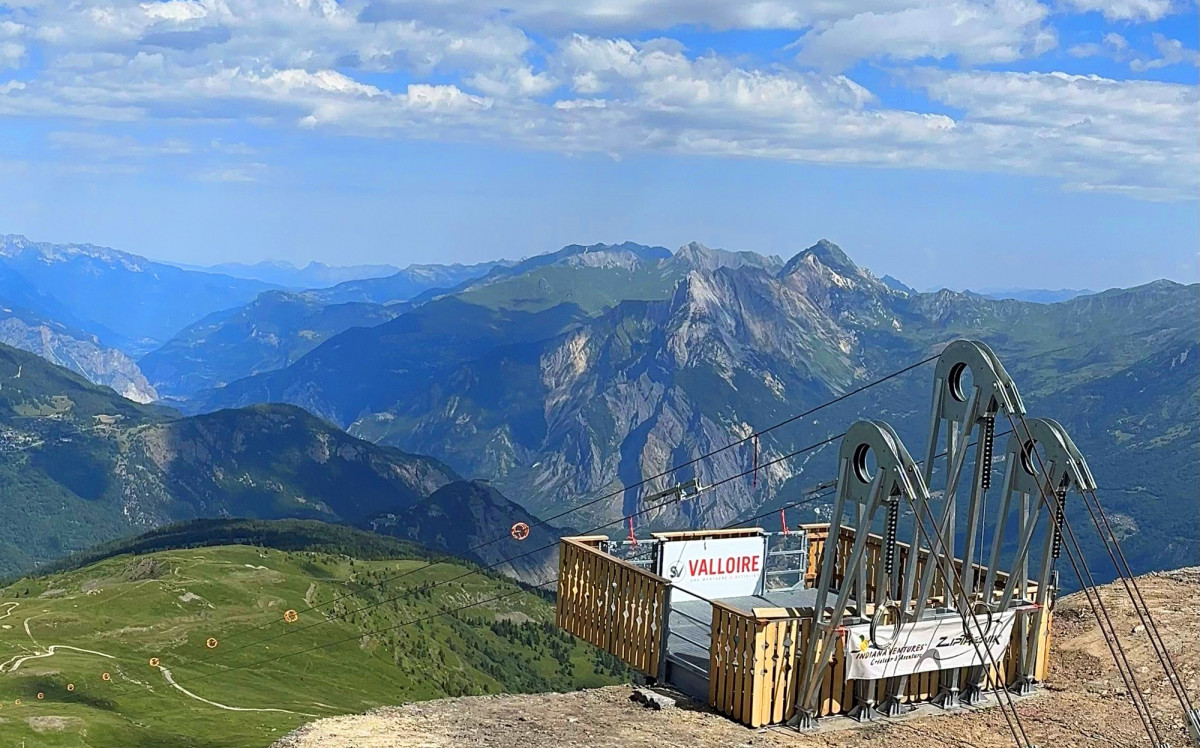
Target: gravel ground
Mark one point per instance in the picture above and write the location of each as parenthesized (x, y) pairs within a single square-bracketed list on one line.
[(1083, 704)]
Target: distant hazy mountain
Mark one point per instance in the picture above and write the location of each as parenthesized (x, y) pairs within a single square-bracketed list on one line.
[(278, 327), (1036, 295), (535, 299), (37, 323), (129, 302), (405, 284), (897, 285), (81, 465), (269, 333), (563, 401), (285, 274)]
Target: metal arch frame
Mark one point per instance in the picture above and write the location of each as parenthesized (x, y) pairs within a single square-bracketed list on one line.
[(896, 478), (960, 415), (1024, 487)]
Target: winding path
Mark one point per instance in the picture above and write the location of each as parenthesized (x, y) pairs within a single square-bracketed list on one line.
[(50, 652), (167, 674), (17, 661)]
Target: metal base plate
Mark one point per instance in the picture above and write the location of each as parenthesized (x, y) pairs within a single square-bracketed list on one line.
[(972, 696), (804, 721), (1024, 686), (893, 707), (947, 698), (864, 713)]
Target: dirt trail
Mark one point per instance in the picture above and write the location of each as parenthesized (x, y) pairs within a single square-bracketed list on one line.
[(1082, 705), (167, 675)]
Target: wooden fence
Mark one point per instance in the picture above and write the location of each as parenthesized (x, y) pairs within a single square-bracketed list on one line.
[(611, 603)]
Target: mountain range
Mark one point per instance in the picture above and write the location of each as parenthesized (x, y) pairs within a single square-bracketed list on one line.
[(560, 378), (563, 392), (79, 465)]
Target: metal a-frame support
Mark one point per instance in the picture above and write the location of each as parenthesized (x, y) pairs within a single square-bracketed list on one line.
[(896, 478), (1024, 486), (960, 411)]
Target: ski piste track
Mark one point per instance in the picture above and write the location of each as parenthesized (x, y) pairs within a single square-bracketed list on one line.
[(16, 661)]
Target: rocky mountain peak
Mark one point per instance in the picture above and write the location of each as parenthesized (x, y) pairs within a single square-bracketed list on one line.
[(822, 254), (696, 256)]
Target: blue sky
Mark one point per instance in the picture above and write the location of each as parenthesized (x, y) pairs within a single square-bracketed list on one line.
[(961, 143)]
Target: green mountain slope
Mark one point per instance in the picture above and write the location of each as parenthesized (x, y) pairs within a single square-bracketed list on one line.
[(80, 465), (120, 611)]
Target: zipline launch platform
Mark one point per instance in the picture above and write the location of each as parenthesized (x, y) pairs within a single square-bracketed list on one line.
[(834, 619), (744, 653)]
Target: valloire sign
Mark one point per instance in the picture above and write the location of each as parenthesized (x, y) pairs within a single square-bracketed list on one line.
[(921, 646), (714, 567)]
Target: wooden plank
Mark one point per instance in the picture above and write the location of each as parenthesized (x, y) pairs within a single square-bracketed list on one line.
[(756, 692), (778, 669), (737, 657), (716, 659), (562, 600), (795, 663), (723, 653), (641, 620), (1042, 671)]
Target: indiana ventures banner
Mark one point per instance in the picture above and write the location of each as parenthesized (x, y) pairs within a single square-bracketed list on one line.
[(923, 646)]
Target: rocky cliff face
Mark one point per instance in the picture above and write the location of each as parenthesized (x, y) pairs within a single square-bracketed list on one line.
[(648, 385), (78, 352)]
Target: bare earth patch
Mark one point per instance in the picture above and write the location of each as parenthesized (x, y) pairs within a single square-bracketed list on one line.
[(52, 724), (1083, 703)]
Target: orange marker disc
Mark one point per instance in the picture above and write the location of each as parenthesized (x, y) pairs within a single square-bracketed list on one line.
[(519, 531), (105, 676), (17, 702), (70, 686), (211, 643), (291, 616), (41, 695), (153, 662)]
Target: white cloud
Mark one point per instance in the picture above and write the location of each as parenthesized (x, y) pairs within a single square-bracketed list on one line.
[(466, 73), (1136, 137), (1113, 46), (973, 32), (11, 54), (1170, 52), (509, 82), (234, 174), (1125, 10), (110, 147), (178, 11)]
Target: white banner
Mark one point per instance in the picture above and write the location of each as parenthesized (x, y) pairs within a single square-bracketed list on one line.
[(715, 567), (923, 646)]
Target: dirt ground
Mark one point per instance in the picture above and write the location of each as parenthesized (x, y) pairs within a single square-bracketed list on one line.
[(1083, 703)]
